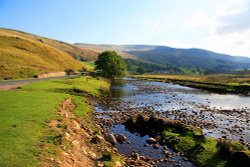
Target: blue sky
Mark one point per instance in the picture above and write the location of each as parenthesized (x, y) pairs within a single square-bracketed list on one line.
[(218, 25)]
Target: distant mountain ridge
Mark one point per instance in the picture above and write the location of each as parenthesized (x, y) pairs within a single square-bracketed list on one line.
[(168, 57)]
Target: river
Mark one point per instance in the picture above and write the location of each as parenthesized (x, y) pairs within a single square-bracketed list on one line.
[(216, 114)]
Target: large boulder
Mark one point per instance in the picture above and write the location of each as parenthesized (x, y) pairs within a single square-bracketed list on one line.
[(110, 138)]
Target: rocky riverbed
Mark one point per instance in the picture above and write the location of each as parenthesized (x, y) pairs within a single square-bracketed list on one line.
[(220, 116)]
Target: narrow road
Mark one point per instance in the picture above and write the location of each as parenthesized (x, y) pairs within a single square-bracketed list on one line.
[(13, 84)]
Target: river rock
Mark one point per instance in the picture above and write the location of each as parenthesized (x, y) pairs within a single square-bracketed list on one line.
[(97, 139), (166, 153), (156, 146), (121, 138), (151, 140), (110, 138), (135, 155)]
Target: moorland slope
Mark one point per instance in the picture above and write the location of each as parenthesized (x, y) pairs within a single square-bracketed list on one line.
[(24, 55)]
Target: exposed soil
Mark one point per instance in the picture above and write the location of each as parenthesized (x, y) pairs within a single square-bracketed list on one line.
[(52, 74), (10, 87), (77, 149)]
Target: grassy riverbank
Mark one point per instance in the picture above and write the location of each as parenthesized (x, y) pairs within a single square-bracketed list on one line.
[(220, 83), (26, 114), (205, 151), (189, 141)]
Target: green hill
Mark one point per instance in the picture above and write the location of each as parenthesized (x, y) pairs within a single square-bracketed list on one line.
[(24, 55)]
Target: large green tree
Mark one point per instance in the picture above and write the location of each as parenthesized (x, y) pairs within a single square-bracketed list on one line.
[(111, 64)]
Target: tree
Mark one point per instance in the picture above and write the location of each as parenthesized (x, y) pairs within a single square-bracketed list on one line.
[(141, 70), (111, 65)]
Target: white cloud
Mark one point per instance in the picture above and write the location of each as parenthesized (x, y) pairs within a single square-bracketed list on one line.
[(232, 43), (233, 17), (228, 28), (196, 20)]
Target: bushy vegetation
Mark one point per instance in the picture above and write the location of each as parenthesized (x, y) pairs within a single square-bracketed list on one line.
[(141, 70), (133, 65), (111, 65)]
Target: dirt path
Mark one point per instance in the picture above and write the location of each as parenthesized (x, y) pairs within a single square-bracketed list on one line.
[(76, 147), (78, 152)]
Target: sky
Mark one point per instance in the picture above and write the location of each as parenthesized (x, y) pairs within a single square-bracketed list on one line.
[(218, 25)]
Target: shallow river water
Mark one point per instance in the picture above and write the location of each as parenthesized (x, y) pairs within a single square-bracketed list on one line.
[(216, 114)]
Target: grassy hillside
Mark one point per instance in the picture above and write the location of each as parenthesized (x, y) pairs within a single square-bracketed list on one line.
[(77, 53), (24, 55)]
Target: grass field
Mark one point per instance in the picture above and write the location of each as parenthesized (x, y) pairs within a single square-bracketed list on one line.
[(224, 83), (23, 124), (86, 85), (26, 113)]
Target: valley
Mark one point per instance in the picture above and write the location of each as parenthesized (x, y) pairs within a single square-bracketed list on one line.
[(132, 83), (57, 108)]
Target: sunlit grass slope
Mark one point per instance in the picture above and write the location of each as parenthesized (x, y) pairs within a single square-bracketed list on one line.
[(24, 55), (76, 52)]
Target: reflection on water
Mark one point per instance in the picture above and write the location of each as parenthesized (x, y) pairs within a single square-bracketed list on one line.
[(120, 88), (117, 93)]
